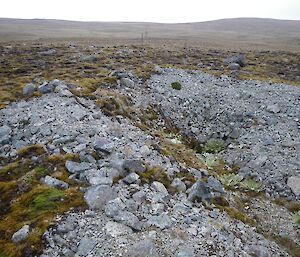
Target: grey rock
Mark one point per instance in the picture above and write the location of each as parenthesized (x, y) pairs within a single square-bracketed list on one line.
[(139, 196), (115, 229), (159, 187), (46, 88), (161, 221), (294, 184), (89, 58), (143, 248), (78, 113), (86, 245), (29, 89), (5, 130), (129, 219), (104, 145), (53, 182), (97, 196), (215, 185), (273, 108), (75, 167), (48, 52), (99, 180), (131, 178), (179, 185), (199, 192), (21, 234), (134, 166), (145, 150), (186, 251), (234, 66), (113, 207), (126, 82), (239, 59)]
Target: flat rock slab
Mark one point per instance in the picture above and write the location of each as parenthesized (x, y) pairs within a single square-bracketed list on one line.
[(294, 184)]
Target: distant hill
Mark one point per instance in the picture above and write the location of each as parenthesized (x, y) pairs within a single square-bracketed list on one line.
[(258, 32)]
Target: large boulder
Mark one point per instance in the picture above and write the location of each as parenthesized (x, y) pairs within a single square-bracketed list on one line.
[(54, 182), (199, 192)]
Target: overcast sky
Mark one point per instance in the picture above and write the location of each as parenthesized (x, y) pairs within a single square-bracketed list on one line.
[(150, 10)]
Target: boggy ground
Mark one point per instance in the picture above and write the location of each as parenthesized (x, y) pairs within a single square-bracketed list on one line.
[(138, 130)]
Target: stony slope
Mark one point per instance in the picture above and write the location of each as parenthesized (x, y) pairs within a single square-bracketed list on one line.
[(148, 192)]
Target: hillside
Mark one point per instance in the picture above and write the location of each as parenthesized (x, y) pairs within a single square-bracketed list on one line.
[(226, 33)]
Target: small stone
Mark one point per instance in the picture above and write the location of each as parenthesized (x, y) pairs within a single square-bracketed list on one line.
[(75, 167), (53, 182), (294, 183), (159, 187), (273, 108), (131, 178), (29, 89), (161, 221), (126, 82), (178, 185), (86, 245), (113, 207), (129, 219), (103, 145), (46, 88), (145, 150), (234, 66), (21, 234), (134, 166), (199, 192)]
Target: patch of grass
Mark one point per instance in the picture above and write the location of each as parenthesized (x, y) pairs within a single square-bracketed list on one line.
[(15, 170), (176, 85), (156, 173), (214, 145), (296, 219), (292, 206), (33, 150)]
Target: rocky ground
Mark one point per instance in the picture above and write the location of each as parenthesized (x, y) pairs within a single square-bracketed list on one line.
[(195, 168)]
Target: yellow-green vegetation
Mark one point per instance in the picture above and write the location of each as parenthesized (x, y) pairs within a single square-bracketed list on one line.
[(23, 64), (178, 150), (155, 173), (235, 181), (176, 85), (292, 206), (31, 150), (214, 145), (25, 200), (113, 103), (296, 218)]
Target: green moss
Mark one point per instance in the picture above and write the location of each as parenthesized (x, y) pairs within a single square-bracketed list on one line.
[(236, 214), (46, 201), (176, 85)]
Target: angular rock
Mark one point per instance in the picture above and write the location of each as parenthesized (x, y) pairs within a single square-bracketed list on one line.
[(273, 108), (143, 248), (103, 145), (239, 59), (46, 88), (97, 196), (178, 185), (159, 187), (86, 245), (134, 166), (75, 167), (53, 182), (129, 219), (186, 251), (234, 66), (131, 178), (113, 207), (126, 82), (199, 192), (21, 234), (161, 221), (215, 185), (116, 229), (294, 184)]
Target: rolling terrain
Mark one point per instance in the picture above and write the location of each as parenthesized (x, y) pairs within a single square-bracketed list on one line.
[(245, 33)]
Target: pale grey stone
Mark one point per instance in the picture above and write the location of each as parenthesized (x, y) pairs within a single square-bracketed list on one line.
[(21, 234)]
